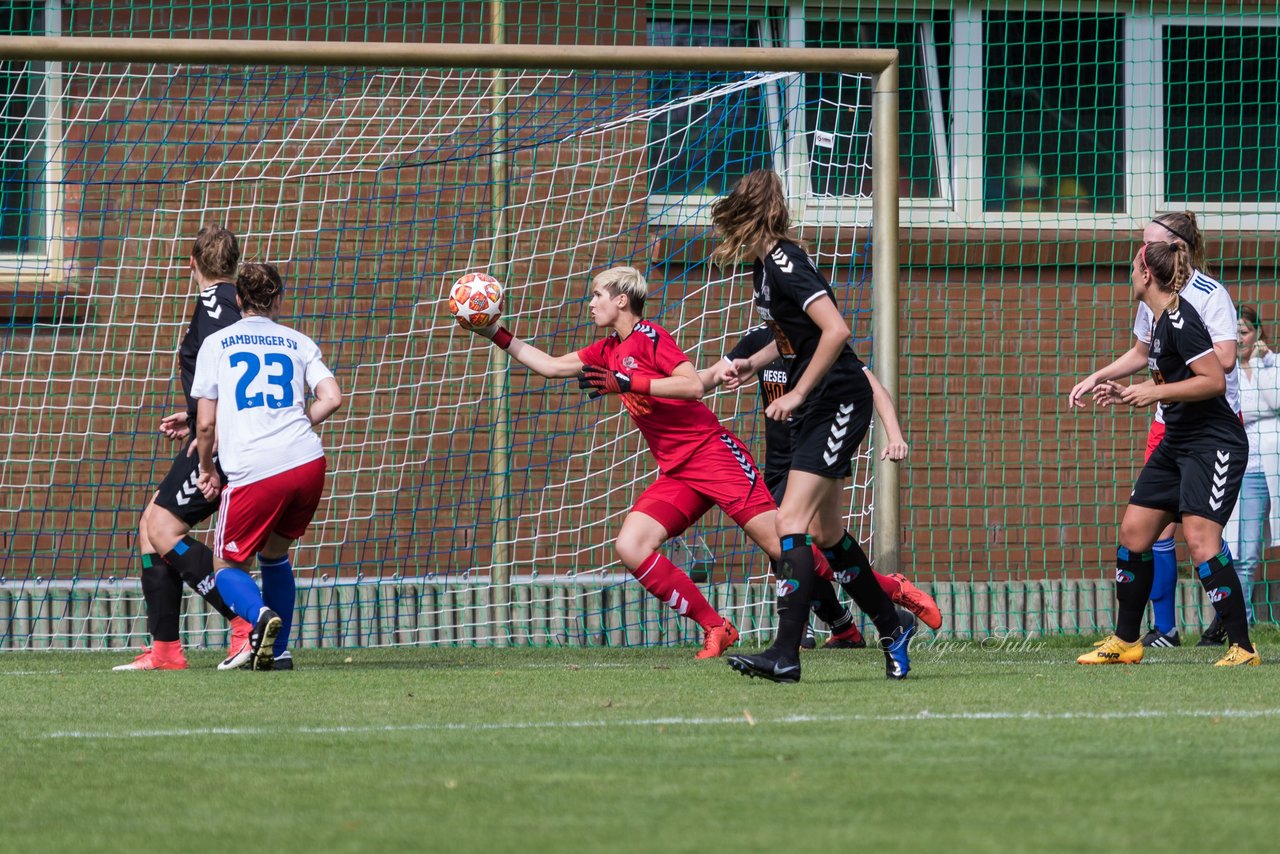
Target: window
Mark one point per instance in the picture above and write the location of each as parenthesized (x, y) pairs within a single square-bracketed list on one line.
[(838, 109), (1053, 130), (22, 124), (701, 148), (1009, 117), (1221, 88)]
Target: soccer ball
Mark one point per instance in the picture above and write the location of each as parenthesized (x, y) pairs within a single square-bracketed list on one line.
[(475, 300)]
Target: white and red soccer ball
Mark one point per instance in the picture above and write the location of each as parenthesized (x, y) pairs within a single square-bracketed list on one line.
[(475, 300)]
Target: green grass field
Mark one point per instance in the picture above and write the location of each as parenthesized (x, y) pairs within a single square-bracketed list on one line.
[(1006, 748)]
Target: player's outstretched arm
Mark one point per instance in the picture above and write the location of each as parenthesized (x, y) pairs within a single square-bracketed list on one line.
[(896, 449), (683, 384), (1132, 361), (328, 399), (717, 375), (543, 364)]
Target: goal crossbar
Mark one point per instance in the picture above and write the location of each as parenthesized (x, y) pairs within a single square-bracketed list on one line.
[(378, 54)]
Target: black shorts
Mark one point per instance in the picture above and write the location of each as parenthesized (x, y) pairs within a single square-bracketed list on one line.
[(178, 493), (828, 429), (1192, 480)]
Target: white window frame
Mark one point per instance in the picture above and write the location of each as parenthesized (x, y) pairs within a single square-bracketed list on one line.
[(22, 269)]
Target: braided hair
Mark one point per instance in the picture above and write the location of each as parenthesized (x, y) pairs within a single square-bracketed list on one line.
[(1169, 265), (1182, 227), (259, 286)]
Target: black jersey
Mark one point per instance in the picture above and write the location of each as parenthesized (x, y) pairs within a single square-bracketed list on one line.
[(785, 283), (773, 385), (1179, 338), (215, 309)]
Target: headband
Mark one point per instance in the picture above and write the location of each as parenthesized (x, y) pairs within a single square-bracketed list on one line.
[(1142, 256), (1174, 231)]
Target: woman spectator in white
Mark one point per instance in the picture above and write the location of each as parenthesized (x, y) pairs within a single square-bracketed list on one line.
[(1259, 502)]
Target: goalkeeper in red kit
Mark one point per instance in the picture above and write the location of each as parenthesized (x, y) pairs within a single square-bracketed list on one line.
[(701, 464)]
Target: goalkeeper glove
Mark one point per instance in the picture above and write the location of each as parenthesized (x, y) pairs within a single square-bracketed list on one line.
[(496, 333), (604, 381)]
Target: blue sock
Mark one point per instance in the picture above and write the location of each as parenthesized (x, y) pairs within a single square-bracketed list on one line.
[(278, 590), (239, 591), (1164, 587)]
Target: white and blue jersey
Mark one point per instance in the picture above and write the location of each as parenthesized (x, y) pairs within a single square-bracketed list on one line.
[(258, 372)]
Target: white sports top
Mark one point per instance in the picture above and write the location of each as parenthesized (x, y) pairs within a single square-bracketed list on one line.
[(255, 369)]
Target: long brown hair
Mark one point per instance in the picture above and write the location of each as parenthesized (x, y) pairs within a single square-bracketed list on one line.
[(754, 213), (1170, 266), (1182, 228)]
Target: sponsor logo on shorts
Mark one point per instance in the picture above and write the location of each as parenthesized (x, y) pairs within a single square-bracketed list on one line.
[(232, 547)]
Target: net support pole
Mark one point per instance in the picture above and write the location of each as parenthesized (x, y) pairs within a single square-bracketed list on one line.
[(886, 509), (499, 375)]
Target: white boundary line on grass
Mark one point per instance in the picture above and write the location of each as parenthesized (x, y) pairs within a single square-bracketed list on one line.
[(924, 715)]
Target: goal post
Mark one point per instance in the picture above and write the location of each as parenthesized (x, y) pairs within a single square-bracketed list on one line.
[(350, 164)]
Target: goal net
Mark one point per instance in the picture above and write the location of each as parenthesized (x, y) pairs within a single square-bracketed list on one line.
[(467, 502)]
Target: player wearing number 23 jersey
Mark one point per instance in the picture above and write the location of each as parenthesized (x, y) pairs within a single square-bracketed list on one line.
[(251, 382), (258, 371)]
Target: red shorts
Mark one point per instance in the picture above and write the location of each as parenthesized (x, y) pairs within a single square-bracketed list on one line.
[(282, 504), (1154, 436), (721, 474)]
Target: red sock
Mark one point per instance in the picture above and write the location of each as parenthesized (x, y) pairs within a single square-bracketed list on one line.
[(821, 567), (664, 580), (890, 586)]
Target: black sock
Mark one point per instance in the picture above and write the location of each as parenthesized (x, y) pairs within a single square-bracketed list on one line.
[(828, 607), (852, 569), (1135, 573), (1219, 579), (194, 562), (162, 590), (795, 592)]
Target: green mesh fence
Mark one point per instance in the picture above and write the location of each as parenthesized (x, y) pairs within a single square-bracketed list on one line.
[(1036, 143)]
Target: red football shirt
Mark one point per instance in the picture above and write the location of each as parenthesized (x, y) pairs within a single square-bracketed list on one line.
[(674, 429)]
